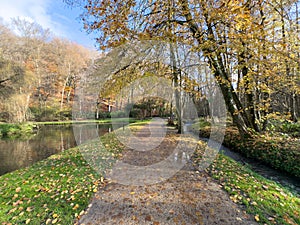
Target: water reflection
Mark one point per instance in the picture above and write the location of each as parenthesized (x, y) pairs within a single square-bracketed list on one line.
[(49, 140)]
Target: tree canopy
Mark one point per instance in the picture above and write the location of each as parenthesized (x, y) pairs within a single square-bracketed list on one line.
[(252, 47)]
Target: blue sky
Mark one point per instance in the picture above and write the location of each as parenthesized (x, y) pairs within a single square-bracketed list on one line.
[(53, 14)]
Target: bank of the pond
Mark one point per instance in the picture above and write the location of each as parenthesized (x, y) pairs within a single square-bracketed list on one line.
[(109, 120), (16, 130), (55, 190)]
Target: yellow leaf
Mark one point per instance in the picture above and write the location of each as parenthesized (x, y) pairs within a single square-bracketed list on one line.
[(18, 189), (48, 221), (54, 215), (54, 221), (132, 193), (27, 221), (256, 217)]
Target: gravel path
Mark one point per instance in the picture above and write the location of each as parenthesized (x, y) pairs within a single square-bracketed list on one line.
[(188, 197)]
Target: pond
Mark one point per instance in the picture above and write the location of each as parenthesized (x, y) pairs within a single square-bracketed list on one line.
[(49, 140)]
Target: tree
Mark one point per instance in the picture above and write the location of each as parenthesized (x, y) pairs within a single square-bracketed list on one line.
[(234, 37), (11, 77), (37, 68)]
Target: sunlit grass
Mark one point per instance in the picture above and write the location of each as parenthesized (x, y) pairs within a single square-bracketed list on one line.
[(55, 190), (267, 200)]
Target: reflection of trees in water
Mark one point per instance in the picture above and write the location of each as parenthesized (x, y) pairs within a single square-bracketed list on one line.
[(50, 139), (15, 154)]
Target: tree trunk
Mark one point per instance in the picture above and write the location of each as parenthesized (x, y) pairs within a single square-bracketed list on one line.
[(175, 73), (216, 63)]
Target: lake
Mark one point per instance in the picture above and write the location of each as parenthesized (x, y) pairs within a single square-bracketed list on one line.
[(49, 140)]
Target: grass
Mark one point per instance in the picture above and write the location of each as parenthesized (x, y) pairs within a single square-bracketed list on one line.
[(9, 130), (121, 120), (269, 202), (56, 190)]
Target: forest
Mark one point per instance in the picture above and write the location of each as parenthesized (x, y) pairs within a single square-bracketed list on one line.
[(38, 72)]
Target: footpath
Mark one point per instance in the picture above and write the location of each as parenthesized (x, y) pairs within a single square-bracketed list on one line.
[(158, 197)]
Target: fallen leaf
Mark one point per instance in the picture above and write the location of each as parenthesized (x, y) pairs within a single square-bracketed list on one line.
[(148, 218), (75, 207)]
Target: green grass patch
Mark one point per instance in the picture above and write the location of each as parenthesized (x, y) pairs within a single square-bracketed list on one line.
[(108, 120), (56, 190), (267, 201), (200, 123), (9, 130)]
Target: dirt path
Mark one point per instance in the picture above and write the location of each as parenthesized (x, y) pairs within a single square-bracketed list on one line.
[(189, 197)]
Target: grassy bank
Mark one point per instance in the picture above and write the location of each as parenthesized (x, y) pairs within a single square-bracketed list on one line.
[(55, 190), (115, 120), (9, 130), (269, 202), (276, 149), (15, 130)]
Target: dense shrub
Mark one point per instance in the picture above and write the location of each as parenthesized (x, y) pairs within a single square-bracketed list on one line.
[(285, 126), (118, 114), (104, 115), (278, 151), (16, 130)]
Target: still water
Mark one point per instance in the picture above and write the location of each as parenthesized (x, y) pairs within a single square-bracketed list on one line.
[(49, 140)]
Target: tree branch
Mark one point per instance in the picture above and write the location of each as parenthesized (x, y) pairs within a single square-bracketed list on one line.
[(2, 81)]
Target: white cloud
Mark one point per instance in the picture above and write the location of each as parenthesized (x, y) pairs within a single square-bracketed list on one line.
[(52, 14), (32, 10)]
